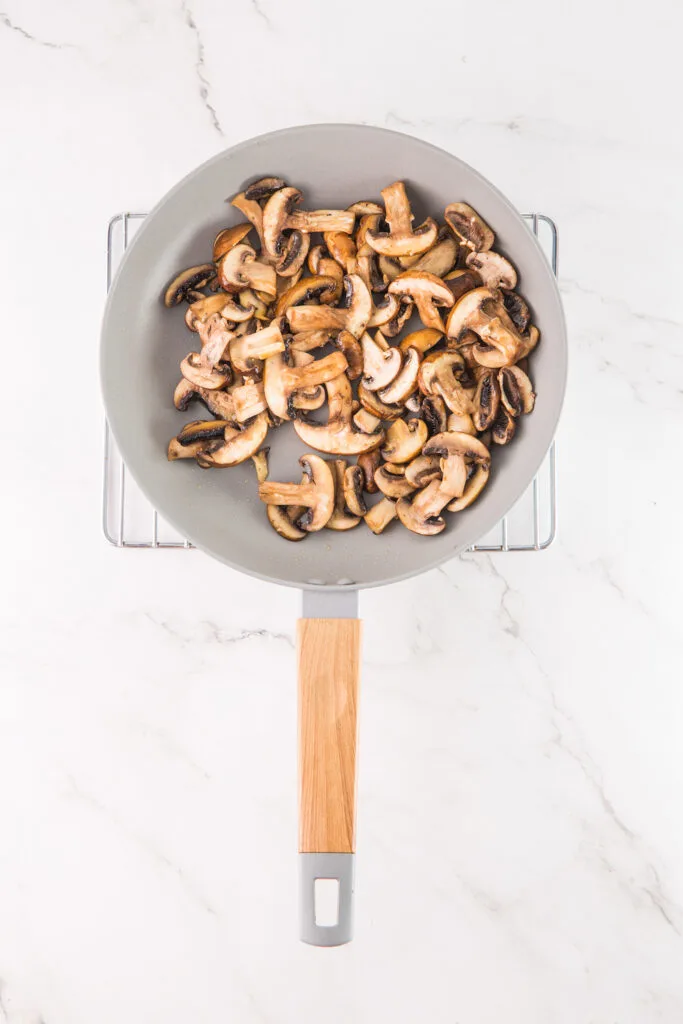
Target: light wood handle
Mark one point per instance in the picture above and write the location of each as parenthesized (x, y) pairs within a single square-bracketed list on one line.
[(329, 671)]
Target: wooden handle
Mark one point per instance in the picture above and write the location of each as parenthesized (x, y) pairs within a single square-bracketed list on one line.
[(329, 669)]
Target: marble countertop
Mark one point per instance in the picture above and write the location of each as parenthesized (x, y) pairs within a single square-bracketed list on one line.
[(521, 777)]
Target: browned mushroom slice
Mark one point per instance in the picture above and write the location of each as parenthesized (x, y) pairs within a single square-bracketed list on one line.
[(394, 326), (422, 340), (380, 365), (338, 436), (380, 515), (463, 423), (341, 519), (275, 213), (342, 249), (281, 381), (249, 299), (279, 519), (309, 398), (176, 450), (440, 259), (226, 239), (401, 239), (238, 446), (365, 208), (187, 281), (373, 404), (264, 188), (369, 462), (453, 442), (308, 289), (322, 220), (259, 345), (205, 306), (220, 403), (254, 214), (249, 400), (462, 280), (422, 470), (366, 421), (315, 493), (517, 310), (260, 460), (392, 485), (404, 440), (203, 430), (353, 490), (473, 488), (486, 400), (468, 227), (482, 311), (453, 475), (389, 268), (384, 311), (354, 317), (240, 269), (368, 222), (530, 342), (433, 412), (452, 380), (504, 427), (494, 270), (347, 344), (427, 291), (422, 514), (295, 246), (201, 375), (306, 341), (516, 390), (405, 382)]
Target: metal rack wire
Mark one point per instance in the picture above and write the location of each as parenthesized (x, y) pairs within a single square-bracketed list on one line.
[(129, 521)]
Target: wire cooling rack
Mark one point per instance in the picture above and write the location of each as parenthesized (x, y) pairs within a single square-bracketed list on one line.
[(129, 521)]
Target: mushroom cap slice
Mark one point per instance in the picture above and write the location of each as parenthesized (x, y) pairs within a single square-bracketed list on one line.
[(517, 310), (453, 476), (260, 461), (282, 524), (295, 249), (342, 249), (462, 280), (393, 485), (405, 382), (307, 289), (473, 488), (347, 344), (187, 281), (422, 514), (281, 381), (220, 403), (486, 400), (204, 430), (440, 259), (264, 188), (338, 436), (240, 269), (209, 305), (433, 412), (259, 345), (365, 208), (238, 446), (380, 515), (462, 423), (316, 493), (468, 227), (394, 326), (504, 427), (341, 518), (254, 214), (402, 239), (275, 213), (176, 450), (306, 341), (422, 470), (385, 311), (516, 390), (483, 312), (353, 490), (404, 440), (229, 237), (422, 340), (201, 375), (373, 404), (369, 462), (454, 442), (494, 270), (380, 366)]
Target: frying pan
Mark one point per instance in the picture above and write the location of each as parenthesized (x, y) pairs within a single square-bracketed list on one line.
[(219, 511)]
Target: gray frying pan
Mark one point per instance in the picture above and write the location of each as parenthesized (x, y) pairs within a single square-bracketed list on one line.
[(218, 510)]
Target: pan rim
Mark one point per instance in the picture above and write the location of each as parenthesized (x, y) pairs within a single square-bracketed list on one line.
[(560, 341)]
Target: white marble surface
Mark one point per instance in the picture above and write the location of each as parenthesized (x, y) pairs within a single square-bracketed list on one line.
[(522, 766)]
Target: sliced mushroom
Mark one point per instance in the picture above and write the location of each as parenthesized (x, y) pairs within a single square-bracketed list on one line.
[(380, 365), (404, 440), (380, 515), (369, 462), (365, 207), (347, 344), (203, 430), (205, 306), (422, 514), (392, 485), (452, 380), (405, 382), (401, 239), (176, 450), (453, 476), (238, 446), (486, 400), (473, 488), (226, 239), (365, 421), (254, 214), (440, 259), (342, 221), (389, 268), (264, 188), (306, 398), (308, 289), (341, 518), (260, 460), (275, 214), (427, 291), (315, 493), (453, 442), (279, 519), (342, 249), (373, 404), (295, 247), (354, 317), (422, 340), (516, 390), (504, 427), (240, 269), (306, 341), (187, 281), (260, 345), (494, 270), (384, 311), (338, 436), (281, 381), (394, 326), (433, 412), (249, 400), (517, 310), (462, 280), (530, 342), (220, 403), (468, 227), (353, 490), (422, 470), (483, 312), (202, 375), (250, 300), (463, 423)]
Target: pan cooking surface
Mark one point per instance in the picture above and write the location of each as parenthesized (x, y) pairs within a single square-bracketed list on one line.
[(143, 343)]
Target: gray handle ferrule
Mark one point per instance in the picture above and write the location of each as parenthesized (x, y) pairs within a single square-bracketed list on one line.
[(335, 866)]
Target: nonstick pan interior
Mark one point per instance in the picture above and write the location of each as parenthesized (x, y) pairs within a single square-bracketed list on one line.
[(143, 343)]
